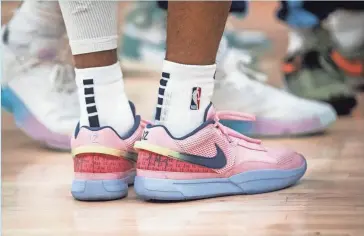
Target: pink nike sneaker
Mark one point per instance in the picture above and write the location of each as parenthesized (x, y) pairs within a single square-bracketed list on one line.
[(104, 162), (211, 161)]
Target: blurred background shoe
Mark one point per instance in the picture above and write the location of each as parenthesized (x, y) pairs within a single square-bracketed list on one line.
[(143, 38), (239, 87), (314, 75), (347, 33), (38, 88), (311, 72)]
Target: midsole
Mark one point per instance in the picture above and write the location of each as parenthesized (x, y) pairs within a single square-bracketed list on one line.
[(26, 121), (202, 177), (251, 182), (103, 176)]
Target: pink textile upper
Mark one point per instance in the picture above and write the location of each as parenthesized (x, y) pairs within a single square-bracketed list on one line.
[(106, 138), (100, 165), (242, 153)]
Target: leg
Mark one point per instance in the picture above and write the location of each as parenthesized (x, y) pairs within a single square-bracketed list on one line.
[(194, 31), (93, 43), (102, 146), (197, 45), (232, 79), (189, 154), (34, 70)]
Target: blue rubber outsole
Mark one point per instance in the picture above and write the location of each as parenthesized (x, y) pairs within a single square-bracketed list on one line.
[(12, 104), (99, 190), (29, 124), (252, 182)]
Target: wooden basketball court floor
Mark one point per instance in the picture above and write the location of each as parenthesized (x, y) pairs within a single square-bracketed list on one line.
[(329, 200)]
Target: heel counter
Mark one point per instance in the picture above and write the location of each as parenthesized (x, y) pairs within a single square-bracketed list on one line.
[(100, 163), (101, 137), (158, 136), (100, 151)]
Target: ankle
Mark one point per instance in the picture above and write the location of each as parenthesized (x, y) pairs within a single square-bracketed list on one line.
[(185, 92), (96, 59), (102, 98)]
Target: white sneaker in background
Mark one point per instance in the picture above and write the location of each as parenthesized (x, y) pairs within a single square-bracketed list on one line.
[(278, 113), (40, 91)]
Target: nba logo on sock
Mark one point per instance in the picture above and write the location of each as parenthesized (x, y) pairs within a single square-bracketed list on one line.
[(195, 101)]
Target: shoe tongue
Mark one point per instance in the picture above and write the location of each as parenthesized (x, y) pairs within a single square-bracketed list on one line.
[(209, 113)]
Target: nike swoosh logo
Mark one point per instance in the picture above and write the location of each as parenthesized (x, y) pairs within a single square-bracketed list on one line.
[(217, 162)]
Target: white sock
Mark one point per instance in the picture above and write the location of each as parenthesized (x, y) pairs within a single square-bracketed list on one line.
[(102, 98), (177, 109), (91, 25), (38, 23)]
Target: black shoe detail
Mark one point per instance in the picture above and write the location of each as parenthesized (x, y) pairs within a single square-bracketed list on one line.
[(6, 35), (343, 105), (311, 60)]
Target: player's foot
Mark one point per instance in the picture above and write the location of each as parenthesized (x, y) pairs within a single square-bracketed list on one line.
[(40, 91), (211, 161), (104, 162), (239, 88), (314, 75)]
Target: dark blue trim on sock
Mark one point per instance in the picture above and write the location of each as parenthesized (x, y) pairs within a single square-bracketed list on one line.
[(89, 100), (165, 75), (161, 91), (88, 82), (163, 82), (91, 109), (94, 121), (160, 101), (89, 91), (158, 113)]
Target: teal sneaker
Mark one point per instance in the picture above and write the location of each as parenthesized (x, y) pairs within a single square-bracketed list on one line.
[(314, 75)]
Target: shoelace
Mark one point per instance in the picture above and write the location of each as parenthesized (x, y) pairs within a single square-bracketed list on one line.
[(228, 133)]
